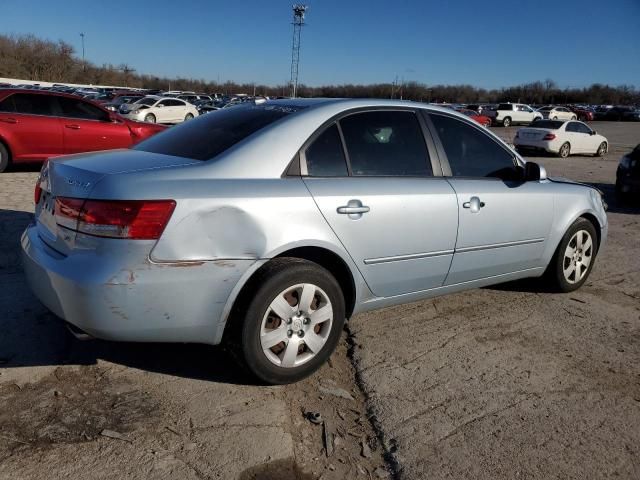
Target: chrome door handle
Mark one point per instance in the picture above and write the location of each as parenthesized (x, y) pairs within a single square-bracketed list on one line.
[(354, 209), (474, 204), (73, 127)]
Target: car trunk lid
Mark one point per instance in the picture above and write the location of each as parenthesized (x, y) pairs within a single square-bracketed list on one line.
[(533, 133), (75, 176)]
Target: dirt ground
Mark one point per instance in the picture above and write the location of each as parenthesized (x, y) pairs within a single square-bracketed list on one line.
[(503, 382)]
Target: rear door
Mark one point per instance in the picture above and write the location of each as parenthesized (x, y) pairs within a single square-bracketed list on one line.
[(504, 222), (378, 192), (87, 128), (178, 110), (28, 125)]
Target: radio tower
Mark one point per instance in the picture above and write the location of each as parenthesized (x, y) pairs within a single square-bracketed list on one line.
[(299, 11)]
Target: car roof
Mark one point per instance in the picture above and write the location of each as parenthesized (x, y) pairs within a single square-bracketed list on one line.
[(248, 157), (5, 92)]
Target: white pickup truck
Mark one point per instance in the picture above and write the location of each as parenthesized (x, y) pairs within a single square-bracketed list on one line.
[(507, 114)]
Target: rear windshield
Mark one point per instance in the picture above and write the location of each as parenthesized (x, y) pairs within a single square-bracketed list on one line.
[(213, 133), (505, 106), (550, 124)]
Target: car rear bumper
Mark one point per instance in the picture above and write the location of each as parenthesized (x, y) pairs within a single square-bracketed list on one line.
[(121, 297), (550, 147)]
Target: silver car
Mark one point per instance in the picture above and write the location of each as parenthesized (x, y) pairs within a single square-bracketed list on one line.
[(266, 225)]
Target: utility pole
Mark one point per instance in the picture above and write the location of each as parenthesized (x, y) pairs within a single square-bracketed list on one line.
[(299, 11), (84, 65)]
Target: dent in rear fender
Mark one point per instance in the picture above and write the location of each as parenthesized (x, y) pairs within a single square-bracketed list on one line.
[(247, 219)]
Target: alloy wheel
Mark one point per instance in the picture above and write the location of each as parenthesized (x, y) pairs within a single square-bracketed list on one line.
[(577, 256), (296, 326)]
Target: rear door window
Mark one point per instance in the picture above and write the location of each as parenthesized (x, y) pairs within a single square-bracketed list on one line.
[(471, 152), (325, 156), (386, 143), (32, 104)]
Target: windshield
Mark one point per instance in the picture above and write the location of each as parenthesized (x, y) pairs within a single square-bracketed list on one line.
[(545, 109), (206, 137), (550, 124), (146, 101)]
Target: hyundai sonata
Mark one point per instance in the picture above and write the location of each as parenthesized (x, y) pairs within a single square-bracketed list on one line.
[(266, 225)]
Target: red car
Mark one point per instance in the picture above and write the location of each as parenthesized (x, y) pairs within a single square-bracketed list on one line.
[(584, 115), (481, 119), (38, 124)]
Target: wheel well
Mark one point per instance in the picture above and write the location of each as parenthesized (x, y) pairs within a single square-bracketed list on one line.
[(595, 223), (336, 266), (6, 146)]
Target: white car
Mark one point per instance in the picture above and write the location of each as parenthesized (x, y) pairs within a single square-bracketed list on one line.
[(156, 109), (557, 113), (507, 114), (561, 137)]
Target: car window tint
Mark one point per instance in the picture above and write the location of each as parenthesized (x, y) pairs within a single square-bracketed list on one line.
[(7, 105), (325, 157), (471, 152), (73, 108), (32, 104), (387, 143), (209, 135), (582, 128)]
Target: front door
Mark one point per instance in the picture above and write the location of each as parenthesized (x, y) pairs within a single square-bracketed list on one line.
[(395, 219), (503, 221), (88, 128)]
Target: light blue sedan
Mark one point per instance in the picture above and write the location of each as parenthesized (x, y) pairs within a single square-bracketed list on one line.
[(266, 225)]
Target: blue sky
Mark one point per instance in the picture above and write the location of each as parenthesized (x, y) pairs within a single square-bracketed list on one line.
[(486, 43)]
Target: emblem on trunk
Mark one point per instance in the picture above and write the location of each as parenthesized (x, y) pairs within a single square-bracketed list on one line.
[(77, 183)]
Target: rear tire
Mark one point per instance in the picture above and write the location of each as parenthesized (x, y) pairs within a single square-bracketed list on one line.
[(5, 161), (506, 122), (573, 117), (565, 150), (574, 258), (150, 118), (283, 285)]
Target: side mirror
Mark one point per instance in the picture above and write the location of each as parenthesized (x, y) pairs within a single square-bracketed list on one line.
[(593, 132), (534, 172), (159, 105)]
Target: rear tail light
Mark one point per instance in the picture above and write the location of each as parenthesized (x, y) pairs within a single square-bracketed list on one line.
[(130, 219), (549, 136), (37, 192)]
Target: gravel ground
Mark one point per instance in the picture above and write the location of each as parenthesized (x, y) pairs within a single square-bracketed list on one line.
[(503, 382)]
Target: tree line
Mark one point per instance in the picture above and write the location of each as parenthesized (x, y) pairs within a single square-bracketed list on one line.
[(30, 58)]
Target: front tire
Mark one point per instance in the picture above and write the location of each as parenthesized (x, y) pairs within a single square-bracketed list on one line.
[(188, 116), (602, 150), (565, 150), (574, 258), (150, 118), (292, 321), (4, 158)]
